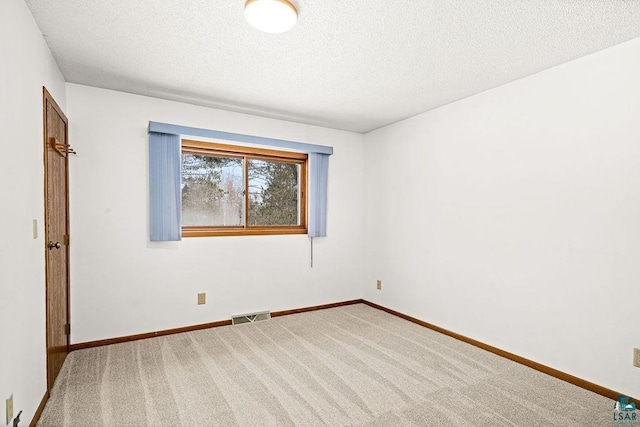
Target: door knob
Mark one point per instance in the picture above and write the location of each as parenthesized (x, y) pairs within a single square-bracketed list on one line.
[(55, 245)]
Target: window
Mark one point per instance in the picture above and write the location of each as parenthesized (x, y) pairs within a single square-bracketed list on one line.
[(231, 190)]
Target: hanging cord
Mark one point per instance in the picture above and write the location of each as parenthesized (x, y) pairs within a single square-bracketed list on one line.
[(311, 238)]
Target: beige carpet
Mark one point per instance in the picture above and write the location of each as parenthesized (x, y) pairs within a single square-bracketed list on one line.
[(351, 365)]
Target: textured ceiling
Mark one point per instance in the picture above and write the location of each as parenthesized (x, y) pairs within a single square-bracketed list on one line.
[(348, 64)]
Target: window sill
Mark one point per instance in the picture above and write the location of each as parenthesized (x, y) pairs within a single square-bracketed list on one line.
[(231, 231)]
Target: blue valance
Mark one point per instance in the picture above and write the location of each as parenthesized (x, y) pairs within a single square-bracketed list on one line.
[(237, 137)]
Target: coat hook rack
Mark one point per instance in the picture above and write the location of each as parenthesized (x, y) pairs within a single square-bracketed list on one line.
[(62, 149)]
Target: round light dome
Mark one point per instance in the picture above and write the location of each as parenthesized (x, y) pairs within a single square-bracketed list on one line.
[(271, 16)]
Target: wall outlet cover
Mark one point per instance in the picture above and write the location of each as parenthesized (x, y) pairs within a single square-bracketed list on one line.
[(636, 357), (9, 403), (379, 284), (202, 298)]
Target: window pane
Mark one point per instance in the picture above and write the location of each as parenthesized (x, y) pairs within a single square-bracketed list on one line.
[(212, 191), (274, 193)]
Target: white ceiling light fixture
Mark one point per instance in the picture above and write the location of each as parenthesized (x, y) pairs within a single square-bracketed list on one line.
[(271, 16)]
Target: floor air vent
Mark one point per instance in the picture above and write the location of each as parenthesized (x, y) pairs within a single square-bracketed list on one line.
[(250, 318)]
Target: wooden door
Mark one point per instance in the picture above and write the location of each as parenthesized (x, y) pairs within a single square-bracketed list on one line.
[(56, 165)]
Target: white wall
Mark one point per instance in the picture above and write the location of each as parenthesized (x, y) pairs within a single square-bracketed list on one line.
[(513, 217), (25, 66), (123, 284)]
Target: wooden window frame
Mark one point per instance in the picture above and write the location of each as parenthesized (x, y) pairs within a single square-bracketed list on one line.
[(247, 153)]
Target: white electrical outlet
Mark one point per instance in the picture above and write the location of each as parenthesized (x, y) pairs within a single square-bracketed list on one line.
[(379, 285), (636, 357)]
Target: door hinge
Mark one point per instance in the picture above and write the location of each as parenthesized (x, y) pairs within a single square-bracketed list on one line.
[(66, 239), (67, 329)]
